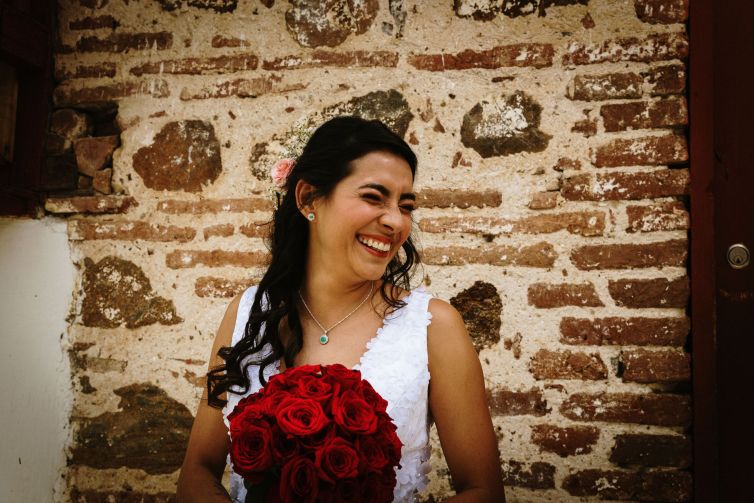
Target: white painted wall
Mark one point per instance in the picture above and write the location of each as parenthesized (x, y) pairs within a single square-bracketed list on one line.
[(36, 283)]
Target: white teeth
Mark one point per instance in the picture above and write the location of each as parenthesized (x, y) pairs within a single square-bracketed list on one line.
[(377, 245)]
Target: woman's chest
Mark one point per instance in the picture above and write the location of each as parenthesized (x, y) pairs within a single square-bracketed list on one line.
[(345, 344)]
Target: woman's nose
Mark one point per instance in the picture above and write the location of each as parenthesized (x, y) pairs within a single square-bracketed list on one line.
[(392, 218)]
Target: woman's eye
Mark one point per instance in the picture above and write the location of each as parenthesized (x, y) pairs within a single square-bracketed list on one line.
[(408, 208), (371, 197)]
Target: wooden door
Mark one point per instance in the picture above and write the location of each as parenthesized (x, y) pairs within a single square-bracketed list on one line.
[(722, 215)]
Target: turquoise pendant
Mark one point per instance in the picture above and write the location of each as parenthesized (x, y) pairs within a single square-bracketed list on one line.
[(324, 339)]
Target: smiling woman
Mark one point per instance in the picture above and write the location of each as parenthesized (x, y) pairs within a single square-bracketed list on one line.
[(337, 291)]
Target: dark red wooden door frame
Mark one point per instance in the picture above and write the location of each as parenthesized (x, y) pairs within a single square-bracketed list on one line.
[(721, 122), (701, 121)]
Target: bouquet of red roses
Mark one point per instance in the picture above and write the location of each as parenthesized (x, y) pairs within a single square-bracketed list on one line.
[(315, 434)]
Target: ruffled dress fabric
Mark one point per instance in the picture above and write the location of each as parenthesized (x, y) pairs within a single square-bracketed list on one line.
[(396, 364)]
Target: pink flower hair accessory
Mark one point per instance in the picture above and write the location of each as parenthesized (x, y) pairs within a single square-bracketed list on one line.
[(281, 170)]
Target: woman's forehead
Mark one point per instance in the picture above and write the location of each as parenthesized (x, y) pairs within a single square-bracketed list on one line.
[(385, 168)]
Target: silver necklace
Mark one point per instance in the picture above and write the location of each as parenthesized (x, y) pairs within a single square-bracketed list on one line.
[(324, 338)]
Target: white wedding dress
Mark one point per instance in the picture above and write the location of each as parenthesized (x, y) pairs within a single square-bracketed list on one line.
[(395, 364)]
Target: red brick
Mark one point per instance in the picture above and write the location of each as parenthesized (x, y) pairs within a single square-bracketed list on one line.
[(670, 216), (67, 95), (537, 475), (208, 286), (630, 186), (314, 24), (648, 151), (199, 66), (651, 450), (514, 345), (547, 295), (656, 366), (181, 259), (256, 229), (564, 442), (93, 4), (662, 11), (93, 23), (655, 47), (101, 181), (480, 306), (223, 41), (587, 127), (94, 71), (458, 198), (56, 145), (202, 206), (537, 255), (543, 201), (183, 155), (658, 292), (124, 42), (621, 256), (343, 59), (507, 402), (657, 486), (666, 79), (94, 153), (70, 124), (222, 230), (90, 204), (655, 409), (84, 182), (637, 331), (671, 112), (609, 86), (129, 230), (514, 55), (121, 496), (546, 364), (242, 88), (581, 223), (565, 163)]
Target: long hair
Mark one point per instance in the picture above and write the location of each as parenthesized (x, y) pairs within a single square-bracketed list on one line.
[(324, 162)]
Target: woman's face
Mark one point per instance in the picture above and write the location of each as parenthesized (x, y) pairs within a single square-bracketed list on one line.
[(362, 224)]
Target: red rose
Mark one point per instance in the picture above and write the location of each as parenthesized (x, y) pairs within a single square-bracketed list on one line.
[(316, 388), (337, 373), (272, 400), (300, 417), (283, 447), (317, 440), (246, 402), (250, 451), (347, 491), (337, 460), (295, 373), (299, 481), (378, 488), (371, 397), (353, 414), (388, 439), (373, 458)]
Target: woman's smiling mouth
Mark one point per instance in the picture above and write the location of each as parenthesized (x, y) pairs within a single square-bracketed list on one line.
[(378, 247)]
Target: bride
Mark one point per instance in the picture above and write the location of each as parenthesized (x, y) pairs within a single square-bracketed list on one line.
[(337, 291)]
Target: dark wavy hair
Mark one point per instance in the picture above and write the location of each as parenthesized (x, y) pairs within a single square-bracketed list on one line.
[(325, 161)]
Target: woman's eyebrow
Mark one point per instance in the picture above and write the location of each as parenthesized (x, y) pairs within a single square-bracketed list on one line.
[(386, 192)]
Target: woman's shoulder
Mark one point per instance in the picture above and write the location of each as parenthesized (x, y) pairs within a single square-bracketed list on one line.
[(240, 303), (443, 313)]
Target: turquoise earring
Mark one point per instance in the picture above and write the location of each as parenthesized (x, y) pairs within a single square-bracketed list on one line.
[(310, 216)]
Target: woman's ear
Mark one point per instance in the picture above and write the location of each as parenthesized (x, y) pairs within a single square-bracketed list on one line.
[(304, 197)]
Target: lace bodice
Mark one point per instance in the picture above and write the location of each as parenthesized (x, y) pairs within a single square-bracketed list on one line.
[(396, 365)]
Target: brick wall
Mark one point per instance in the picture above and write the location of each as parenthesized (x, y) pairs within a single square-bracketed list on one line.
[(553, 175)]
